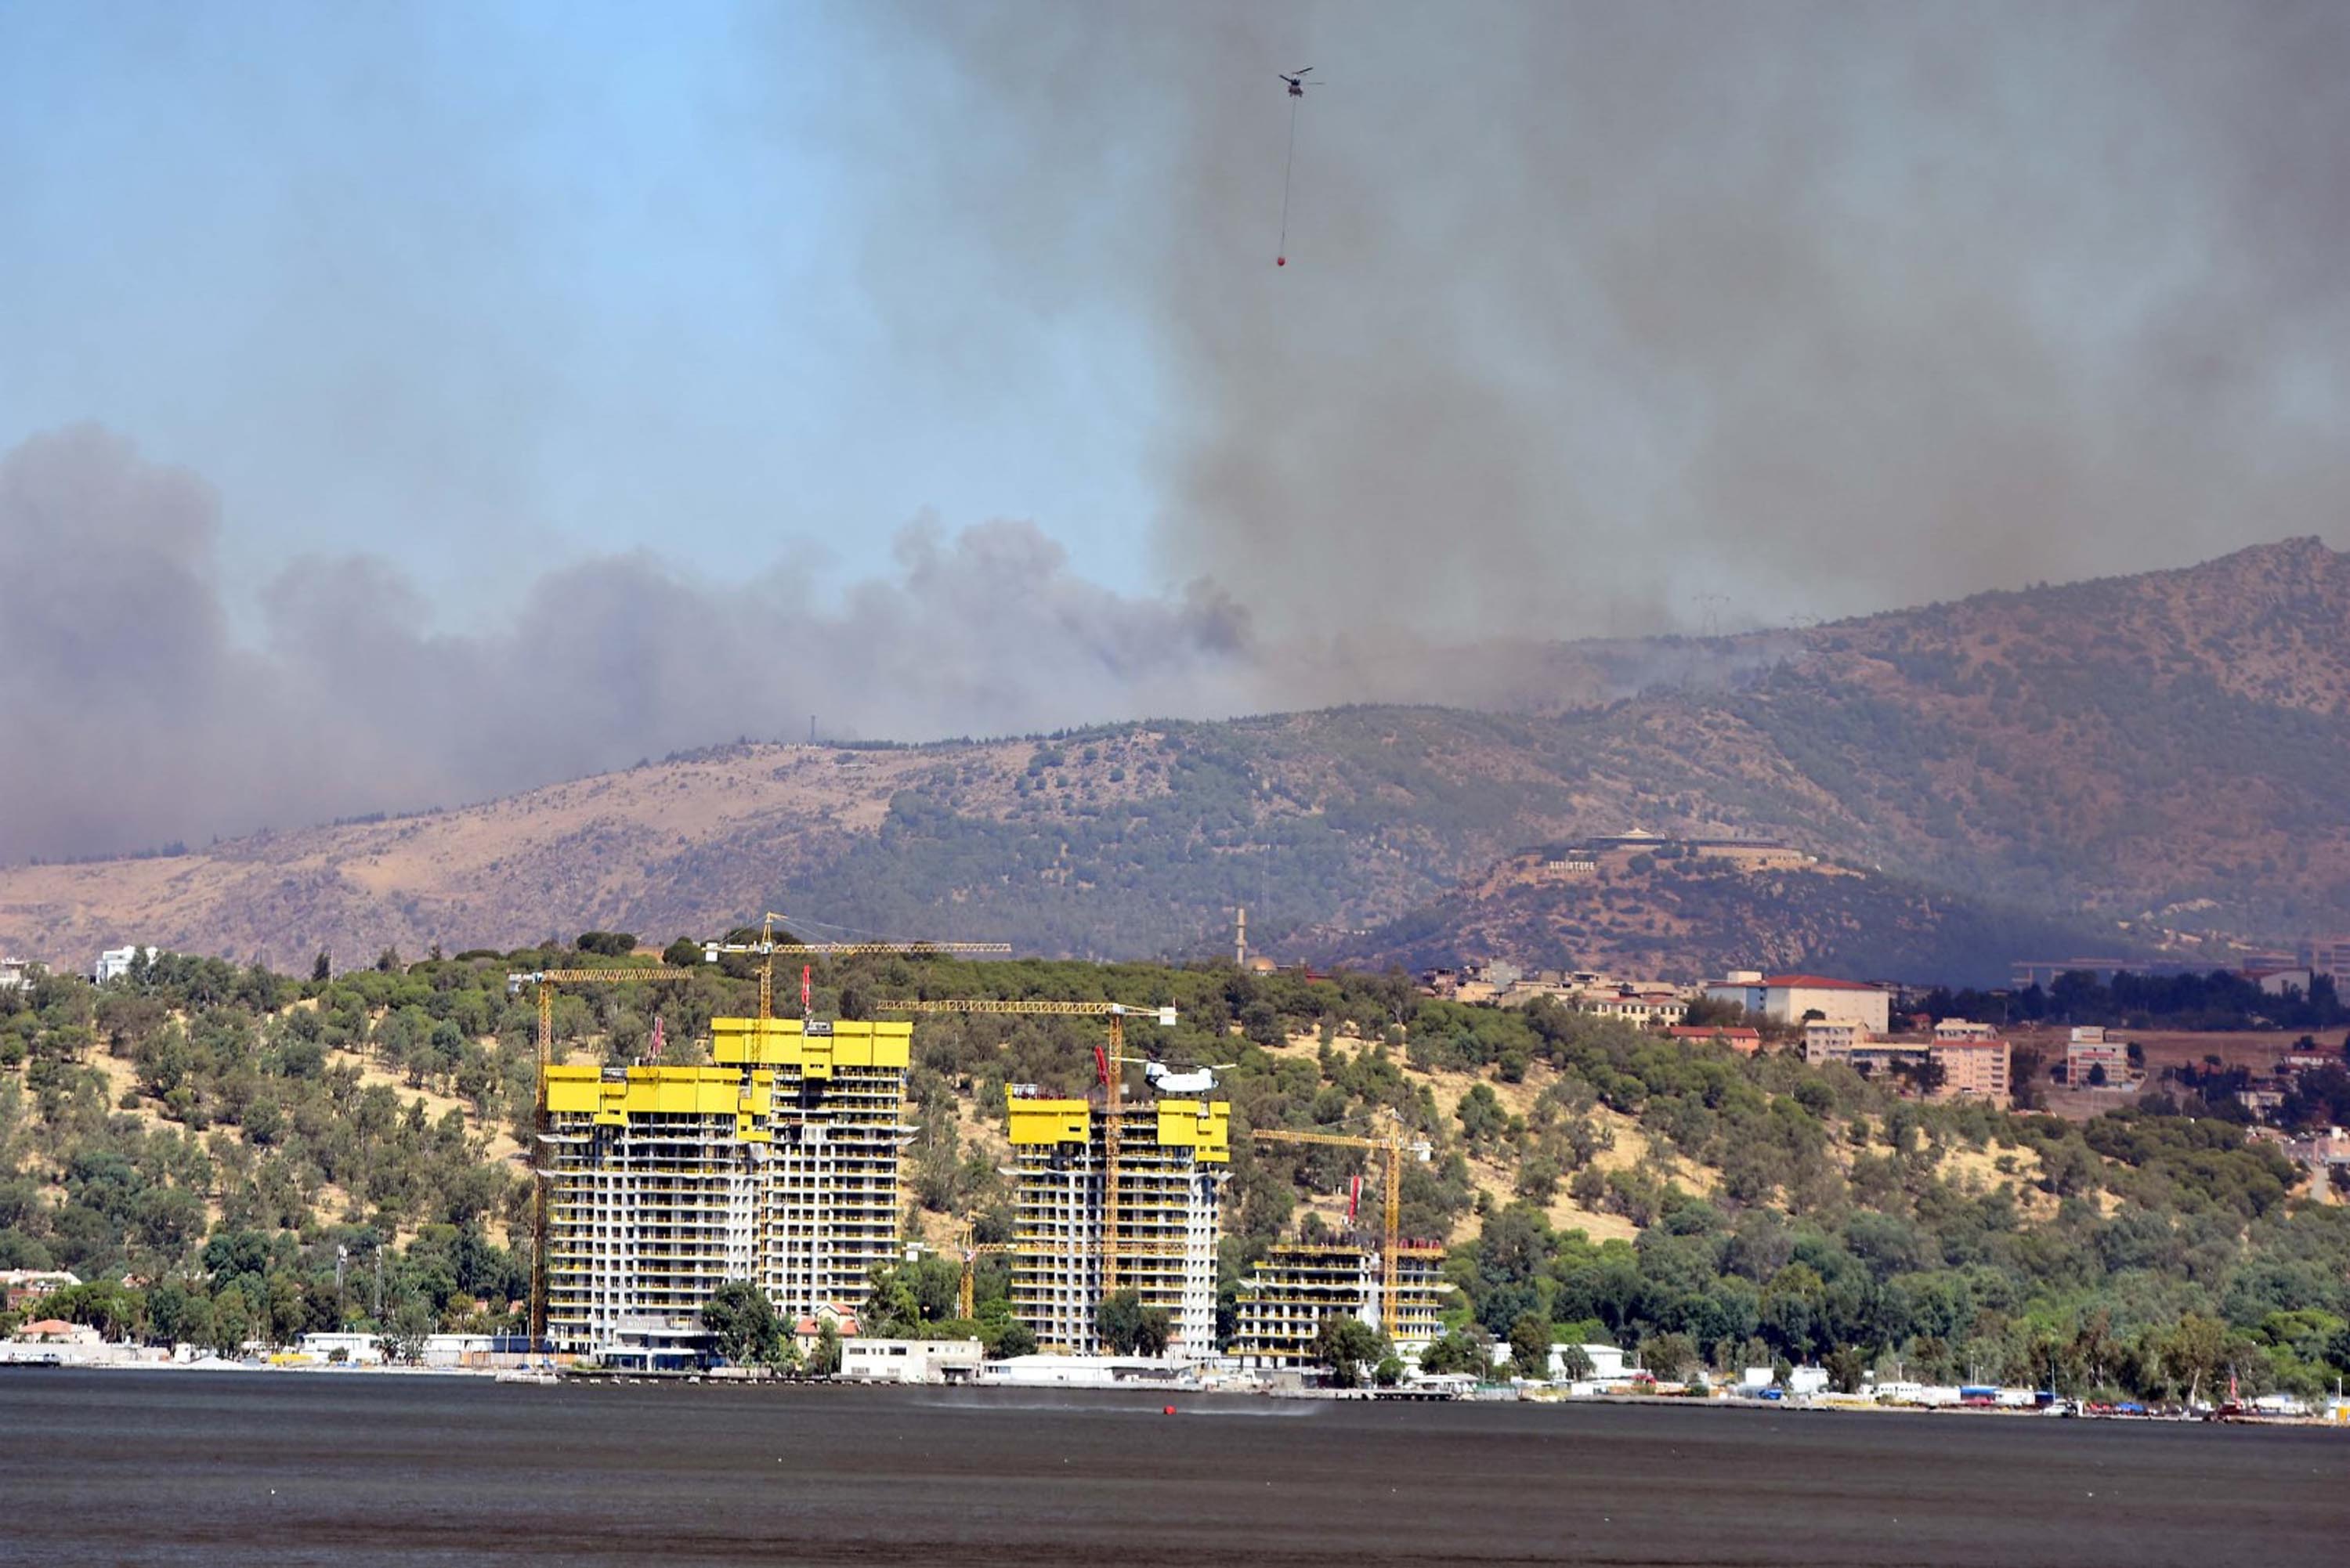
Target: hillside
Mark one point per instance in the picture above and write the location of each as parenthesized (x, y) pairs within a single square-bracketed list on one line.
[(2163, 748), (1679, 917), (214, 1133)]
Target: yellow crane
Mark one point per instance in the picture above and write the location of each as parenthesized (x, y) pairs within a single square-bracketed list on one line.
[(972, 1252), (767, 947), (545, 981), (1392, 1142), (1113, 1079)]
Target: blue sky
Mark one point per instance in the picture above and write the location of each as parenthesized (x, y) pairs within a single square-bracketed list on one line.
[(486, 289), (1603, 318)]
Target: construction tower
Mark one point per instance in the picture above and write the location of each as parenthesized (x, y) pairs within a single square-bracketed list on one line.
[(654, 1194), (1297, 1285), (836, 1126), (1154, 1232), (779, 1164)]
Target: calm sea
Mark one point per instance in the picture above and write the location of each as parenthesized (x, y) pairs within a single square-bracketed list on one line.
[(280, 1468)]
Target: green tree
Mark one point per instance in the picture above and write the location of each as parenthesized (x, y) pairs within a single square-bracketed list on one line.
[(1458, 1350), (1482, 1119), (1347, 1344), (825, 1360), (1119, 1320), (1530, 1345), (402, 1339), (1848, 1369), (743, 1321), (1671, 1356)]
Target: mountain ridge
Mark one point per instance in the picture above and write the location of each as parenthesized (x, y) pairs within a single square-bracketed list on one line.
[(2160, 747)]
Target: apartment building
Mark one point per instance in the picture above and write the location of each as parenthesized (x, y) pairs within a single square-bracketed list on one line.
[(2088, 1049), (1081, 1231), (1297, 1286), (777, 1164)]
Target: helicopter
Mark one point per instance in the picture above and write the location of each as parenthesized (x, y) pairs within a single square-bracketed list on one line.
[(1297, 82)]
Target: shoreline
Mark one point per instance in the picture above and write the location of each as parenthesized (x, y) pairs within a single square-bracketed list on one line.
[(515, 1377)]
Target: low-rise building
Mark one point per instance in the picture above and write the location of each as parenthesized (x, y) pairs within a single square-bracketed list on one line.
[(911, 1360), (1651, 1006), (808, 1329), (1796, 998), (2280, 981), (16, 973), (1971, 1069), (56, 1331), (20, 1288), (114, 963), (1745, 1042), (2087, 1050), (1606, 1363)]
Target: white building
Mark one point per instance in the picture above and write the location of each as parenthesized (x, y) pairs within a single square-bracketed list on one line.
[(114, 963), (16, 973), (911, 1360), (1091, 1372), (1794, 998), (1606, 1363)]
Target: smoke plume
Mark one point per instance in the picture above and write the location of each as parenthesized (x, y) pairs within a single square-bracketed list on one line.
[(1595, 312), (1598, 320)]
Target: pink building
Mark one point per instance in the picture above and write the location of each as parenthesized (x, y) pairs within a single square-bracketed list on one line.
[(1971, 1069)]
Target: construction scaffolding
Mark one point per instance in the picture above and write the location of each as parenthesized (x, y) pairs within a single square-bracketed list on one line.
[(832, 1168), (1298, 1287), (653, 1196), (1151, 1231), (779, 1164)]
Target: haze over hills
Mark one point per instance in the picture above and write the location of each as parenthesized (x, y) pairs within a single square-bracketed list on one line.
[(2164, 748)]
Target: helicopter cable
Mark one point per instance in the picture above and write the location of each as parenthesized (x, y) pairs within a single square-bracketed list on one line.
[(1280, 252)]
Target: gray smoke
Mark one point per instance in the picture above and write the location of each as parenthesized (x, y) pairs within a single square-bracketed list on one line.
[(1598, 320), (135, 716), (1595, 312)]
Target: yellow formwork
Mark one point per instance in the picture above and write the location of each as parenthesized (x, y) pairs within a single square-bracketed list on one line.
[(1049, 1121), (1203, 1127), (662, 1091), (786, 1043)]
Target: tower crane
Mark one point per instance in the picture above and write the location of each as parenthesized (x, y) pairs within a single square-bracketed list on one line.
[(768, 946), (1394, 1144), (972, 1251), (545, 981), (1109, 1065)]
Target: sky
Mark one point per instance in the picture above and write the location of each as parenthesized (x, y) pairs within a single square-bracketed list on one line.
[(405, 403)]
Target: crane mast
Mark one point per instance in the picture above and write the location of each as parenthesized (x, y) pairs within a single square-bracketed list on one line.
[(1113, 1081), (545, 981), (1392, 1143)]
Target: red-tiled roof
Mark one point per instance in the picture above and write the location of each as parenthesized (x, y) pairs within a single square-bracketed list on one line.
[(1813, 982)]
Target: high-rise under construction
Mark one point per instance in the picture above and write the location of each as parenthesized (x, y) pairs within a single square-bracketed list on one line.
[(1101, 1209), (1297, 1286), (779, 1164)]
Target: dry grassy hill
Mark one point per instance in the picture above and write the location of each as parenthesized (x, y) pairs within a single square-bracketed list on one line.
[(2164, 749)]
